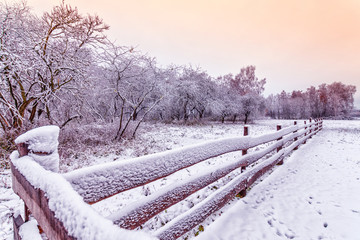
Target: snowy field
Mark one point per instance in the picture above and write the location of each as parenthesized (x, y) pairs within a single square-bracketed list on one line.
[(314, 195)]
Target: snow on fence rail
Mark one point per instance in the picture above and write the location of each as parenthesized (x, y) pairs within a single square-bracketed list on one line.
[(61, 202)]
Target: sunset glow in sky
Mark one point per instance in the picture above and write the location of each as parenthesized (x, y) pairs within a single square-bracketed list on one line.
[(294, 44)]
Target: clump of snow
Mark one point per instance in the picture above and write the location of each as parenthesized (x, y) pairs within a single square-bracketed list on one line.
[(42, 143), (79, 218), (42, 139), (30, 231)]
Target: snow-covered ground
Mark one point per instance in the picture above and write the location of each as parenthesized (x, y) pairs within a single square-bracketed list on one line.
[(314, 195), (9, 204)]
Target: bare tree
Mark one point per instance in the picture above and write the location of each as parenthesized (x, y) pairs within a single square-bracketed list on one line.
[(40, 58), (132, 86)]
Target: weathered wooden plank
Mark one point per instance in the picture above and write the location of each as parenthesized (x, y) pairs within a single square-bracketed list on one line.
[(257, 174), (96, 183), (182, 224), (38, 205), (138, 213), (157, 202), (17, 222), (185, 222), (200, 212)]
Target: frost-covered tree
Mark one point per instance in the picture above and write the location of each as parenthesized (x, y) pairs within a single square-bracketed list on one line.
[(188, 93), (194, 91), (251, 104), (314, 102), (247, 82), (226, 104), (249, 87), (341, 100), (323, 97), (272, 106), (41, 58), (130, 87)]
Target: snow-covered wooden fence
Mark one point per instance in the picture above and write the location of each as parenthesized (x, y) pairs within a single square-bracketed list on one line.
[(61, 203)]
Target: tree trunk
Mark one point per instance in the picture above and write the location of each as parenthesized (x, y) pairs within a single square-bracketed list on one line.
[(121, 120), (143, 117), (234, 118), (246, 118), (135, 114)]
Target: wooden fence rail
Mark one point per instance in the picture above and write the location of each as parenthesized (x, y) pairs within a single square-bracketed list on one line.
[(61, 203)]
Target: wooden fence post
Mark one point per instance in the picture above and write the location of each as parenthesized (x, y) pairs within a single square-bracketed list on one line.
[(321, 124), (305, 131), (17, 222), (317, 124), (278, 128), (25, 147), (244, 151), (310, 128), (242, 193), (295, 139)]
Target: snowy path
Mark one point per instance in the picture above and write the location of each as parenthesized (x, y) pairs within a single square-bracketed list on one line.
[(314, 195)]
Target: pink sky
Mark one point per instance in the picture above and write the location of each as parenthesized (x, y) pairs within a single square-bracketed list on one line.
[(294, 44)]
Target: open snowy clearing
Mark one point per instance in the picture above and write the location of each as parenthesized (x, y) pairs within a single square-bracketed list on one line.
[(314, 195)]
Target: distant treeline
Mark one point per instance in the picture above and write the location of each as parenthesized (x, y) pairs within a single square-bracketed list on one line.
[(333, 100)]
